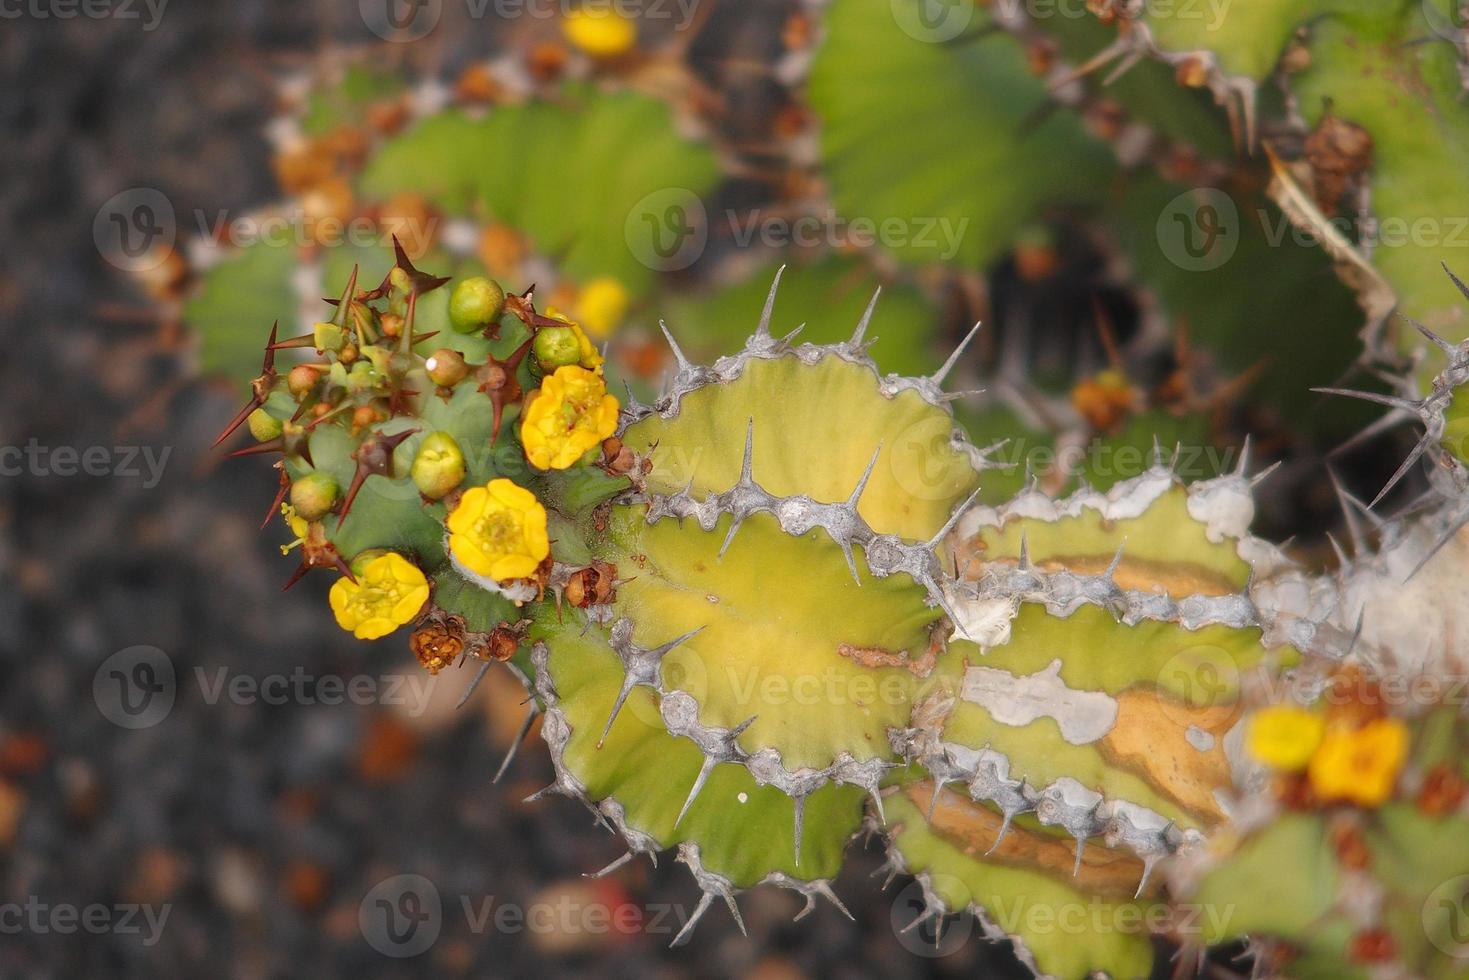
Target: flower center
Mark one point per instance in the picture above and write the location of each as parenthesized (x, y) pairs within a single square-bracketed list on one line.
[(501, 532)]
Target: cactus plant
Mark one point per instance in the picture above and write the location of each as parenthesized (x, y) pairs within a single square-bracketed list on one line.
[(771, 591), (417, 476), (791, 589)]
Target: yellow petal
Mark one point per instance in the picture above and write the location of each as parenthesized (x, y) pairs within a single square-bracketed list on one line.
[(1284, 736), (374, 628)]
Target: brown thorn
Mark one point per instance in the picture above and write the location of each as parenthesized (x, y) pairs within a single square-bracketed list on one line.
[(280, 497)]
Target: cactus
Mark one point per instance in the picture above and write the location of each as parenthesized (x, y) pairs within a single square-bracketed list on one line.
[(437, 480), (771, 592), (789, 601)]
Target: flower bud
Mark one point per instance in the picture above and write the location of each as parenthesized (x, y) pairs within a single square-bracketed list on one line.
[(439, 466), (362, 559), (363, 376), (446, 367), (557, 347), (264, 426), (314, 495), (502, 643), (475, 303), (302, 380)]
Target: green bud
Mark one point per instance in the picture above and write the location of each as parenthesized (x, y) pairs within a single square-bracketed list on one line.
[(363, 376), (399, 279), (446, 367), (314, 495), (328, 336), (557, 347), (263, 425), (474, 303), (362, 559), (439, 466), (381, 358)]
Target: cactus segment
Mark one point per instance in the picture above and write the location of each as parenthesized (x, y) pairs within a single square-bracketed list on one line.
[(826, 296), (1149, 533), (911, 462), (1400, 81), (639, 776), (1021, 887)]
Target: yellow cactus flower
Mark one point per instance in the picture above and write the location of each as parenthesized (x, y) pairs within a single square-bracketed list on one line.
[(1359, 765), (499, 531), (602, 303), (389, 592), (570, 414), (1283, 736), (600, 33), (590, 358)]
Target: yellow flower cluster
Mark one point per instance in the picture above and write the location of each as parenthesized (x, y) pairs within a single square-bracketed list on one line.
[(568, 415), (499, 531), (1355, 764), (389, 592)]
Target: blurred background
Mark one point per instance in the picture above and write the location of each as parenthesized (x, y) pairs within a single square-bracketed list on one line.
[(200, 776)]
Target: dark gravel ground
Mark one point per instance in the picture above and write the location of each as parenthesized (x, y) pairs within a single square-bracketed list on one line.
[(258, 828)]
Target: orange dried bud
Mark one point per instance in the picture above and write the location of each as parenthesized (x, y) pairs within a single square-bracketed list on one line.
[(437, 645), (1105, 401), (363, 416), (617, 459), (1372, 946), (387, 117), (1192, 72), (547, 61), (502, 643), (1443, 790), (1040, 57), (1350, 846), (1353, 699), (477, 86), (594, 585)]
